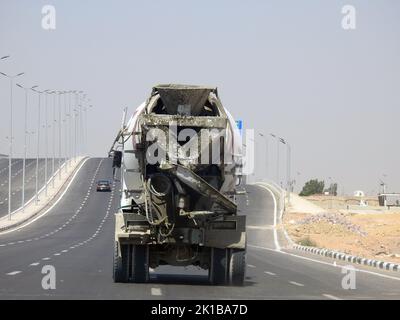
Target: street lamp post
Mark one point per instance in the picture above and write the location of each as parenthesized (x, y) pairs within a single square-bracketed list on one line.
[(59, 133), (266, 154), (26, 133), (54, 137), (11, 78), (29, 134), (47, 92), (76, 114), (288, 165), (69, 129), (38, 144), (65, 132), (80, 128), (288, 162), (87, 145), (277, 157)]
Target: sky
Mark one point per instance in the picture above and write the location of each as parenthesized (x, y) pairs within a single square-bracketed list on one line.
[(283, 67)]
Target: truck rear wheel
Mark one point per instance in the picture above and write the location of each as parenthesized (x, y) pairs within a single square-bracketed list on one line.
[(120, 265), (237, 267), (139, 263), (218, 272)]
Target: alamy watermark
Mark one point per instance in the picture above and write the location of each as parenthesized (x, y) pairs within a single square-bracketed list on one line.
[(349, 17), (204, 146), (48, 17), (349, 280), (49, 280)]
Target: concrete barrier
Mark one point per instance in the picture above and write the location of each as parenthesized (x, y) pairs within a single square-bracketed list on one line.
[(33, 210)]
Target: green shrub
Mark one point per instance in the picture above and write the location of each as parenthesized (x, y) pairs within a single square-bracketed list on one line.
[(312, 187), (307, 242)]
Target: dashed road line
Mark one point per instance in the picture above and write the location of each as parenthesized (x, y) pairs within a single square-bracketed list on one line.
[(95, 234), (323, 262), (329, 296), (270, 273), (296, 283), (156, 292), (13, 273)]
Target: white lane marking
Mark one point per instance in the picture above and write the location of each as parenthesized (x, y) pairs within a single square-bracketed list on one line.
[(267, 227), (325, 263), (251, 266), (296, 283), (156, 292), (329, 296), (270, 273), (277, 246), (13, 273), (34, 264), (54, 204)]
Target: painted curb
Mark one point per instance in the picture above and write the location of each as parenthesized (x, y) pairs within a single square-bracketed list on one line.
[(349, 258)]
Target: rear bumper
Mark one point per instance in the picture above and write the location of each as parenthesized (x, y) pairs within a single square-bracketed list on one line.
[(103, 189), (215, 235)]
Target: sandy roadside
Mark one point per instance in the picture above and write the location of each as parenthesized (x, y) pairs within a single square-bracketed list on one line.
[(373, 234)]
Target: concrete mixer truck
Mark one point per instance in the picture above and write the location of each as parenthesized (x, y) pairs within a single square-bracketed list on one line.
[(179, 159)]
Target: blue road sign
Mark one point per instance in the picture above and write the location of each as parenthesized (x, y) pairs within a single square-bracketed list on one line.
[(239, 124)]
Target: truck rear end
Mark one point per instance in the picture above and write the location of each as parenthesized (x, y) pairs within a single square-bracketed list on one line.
[(180, 159)]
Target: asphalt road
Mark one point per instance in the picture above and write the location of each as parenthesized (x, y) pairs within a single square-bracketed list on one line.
[(16, 181), (76, 237)]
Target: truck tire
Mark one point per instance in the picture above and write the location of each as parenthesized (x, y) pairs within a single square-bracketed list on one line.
[(120, 265), (139, 263), (237, 267), (218, 272)]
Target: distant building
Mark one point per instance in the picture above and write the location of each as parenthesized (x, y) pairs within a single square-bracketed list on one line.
[(389, 199), (359, 193)]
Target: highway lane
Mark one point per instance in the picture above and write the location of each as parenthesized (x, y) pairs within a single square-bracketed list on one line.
[(79, 244), (16, 182)]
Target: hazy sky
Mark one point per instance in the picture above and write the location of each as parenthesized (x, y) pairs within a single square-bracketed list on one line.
[(286, 67)]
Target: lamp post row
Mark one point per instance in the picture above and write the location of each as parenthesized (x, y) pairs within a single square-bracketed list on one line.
[(280, 140), (69, 154)]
